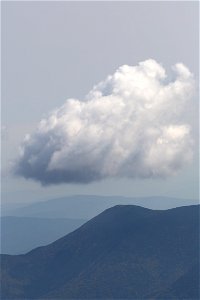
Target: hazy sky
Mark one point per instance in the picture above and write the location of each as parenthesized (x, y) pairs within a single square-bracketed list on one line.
[(52, 51)]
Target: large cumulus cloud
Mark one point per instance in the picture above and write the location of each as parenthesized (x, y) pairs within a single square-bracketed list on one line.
[(129, 125)]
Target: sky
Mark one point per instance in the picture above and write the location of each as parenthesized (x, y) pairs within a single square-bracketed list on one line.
[(53, 51)]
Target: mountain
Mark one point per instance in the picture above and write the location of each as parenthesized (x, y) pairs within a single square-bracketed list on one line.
[(22, 234), (126, 252), (186, 287), (88, 206)]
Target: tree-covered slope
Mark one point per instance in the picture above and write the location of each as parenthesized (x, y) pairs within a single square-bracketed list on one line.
[(125, 252)]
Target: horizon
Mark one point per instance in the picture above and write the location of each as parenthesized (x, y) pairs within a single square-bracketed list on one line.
[(175, 202), (102, 196)]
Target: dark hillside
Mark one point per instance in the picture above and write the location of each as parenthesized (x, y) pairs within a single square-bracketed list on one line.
[(125, 252)]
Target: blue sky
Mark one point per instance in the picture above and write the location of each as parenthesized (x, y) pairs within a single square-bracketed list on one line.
[(54, 51)]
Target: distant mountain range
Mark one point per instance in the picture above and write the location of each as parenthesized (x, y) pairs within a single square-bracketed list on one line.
[(25, 227), (87, 206), (22, 234), (126, 252)]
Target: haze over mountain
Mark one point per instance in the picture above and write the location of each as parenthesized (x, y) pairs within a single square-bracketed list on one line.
[(88, 206), (125, 252), (26, 227), (22, 234)]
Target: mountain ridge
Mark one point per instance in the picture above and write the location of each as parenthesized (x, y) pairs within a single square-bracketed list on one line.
[(21, 234), (125, 252), (88, 206)]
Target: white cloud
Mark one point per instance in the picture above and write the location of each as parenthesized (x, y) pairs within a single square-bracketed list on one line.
[(130, 125)]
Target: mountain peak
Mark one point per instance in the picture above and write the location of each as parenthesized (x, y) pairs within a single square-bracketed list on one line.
[(125, 252)]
